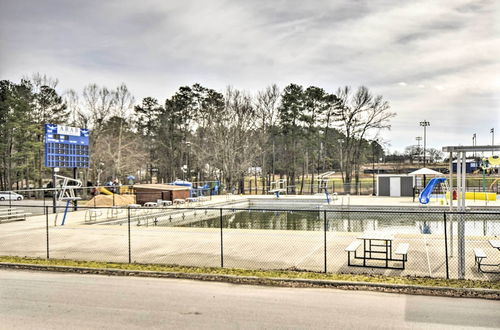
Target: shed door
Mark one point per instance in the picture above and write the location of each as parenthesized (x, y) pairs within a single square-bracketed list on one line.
[(383, 186), (407, 186), (395, 187)]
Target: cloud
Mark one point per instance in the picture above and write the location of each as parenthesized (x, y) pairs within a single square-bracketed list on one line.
[(444, 53)]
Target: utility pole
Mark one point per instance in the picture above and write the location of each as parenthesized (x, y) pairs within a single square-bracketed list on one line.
[(418, 138), (373, 167), (424, 124), (492, 131), (188, 144), (474, 143)]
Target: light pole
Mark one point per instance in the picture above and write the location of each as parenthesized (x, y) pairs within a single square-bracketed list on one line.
[(188, 161), (418, 138), (474, 142), (492, 131), (373, 167), (273, 159), (424, 124), (340, 141)]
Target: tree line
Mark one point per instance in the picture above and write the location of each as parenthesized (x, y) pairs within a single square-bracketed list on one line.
[(197, 134)]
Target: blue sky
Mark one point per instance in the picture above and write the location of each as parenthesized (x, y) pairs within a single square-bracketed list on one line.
[(433, 60)]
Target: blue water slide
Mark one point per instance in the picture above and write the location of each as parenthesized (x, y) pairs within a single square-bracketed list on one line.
[(425, 195)]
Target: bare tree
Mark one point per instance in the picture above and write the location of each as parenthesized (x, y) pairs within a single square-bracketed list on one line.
[(77, 116), (358, 115), (266, 106), (123, 105), (130, 148), (98, 103), (232, 143)]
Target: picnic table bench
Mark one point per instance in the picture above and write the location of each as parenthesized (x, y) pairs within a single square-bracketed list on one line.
[(479, 255), (164, 202), (378, 247)]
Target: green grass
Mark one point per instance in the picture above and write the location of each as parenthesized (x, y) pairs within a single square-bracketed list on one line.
[(424, 281)]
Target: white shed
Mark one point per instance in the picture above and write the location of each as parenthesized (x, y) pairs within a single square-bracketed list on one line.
[(395, 185)]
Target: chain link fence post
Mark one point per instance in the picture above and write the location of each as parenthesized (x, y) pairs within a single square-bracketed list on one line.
[(324, 238), (446, 245), (129, 240), (47, 229), (221, 241)]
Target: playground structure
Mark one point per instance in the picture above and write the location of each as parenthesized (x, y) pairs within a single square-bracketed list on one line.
[(104, 191), (198, 189), (487, 166), (425, 195)]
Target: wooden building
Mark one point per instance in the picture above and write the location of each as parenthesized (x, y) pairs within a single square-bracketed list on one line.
[(153, 192)]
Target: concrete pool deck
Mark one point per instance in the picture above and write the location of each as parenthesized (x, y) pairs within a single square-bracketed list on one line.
[(242, 248), (268, 201), (363, 200)]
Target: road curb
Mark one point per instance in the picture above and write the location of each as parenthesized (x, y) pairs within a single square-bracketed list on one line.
[(272, 281)]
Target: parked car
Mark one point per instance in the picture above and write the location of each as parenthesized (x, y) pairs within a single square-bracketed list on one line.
[(6, 195)]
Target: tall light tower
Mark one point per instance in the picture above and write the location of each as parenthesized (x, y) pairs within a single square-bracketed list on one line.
[(418, 138), (474, 141), (492, 131), (424, 124), (188, 144), (373, 166)]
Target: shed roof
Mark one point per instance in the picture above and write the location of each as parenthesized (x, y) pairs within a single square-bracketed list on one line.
[(471, 148), (160, 187)]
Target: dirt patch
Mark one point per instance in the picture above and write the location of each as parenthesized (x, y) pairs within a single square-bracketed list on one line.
[(107, 200)]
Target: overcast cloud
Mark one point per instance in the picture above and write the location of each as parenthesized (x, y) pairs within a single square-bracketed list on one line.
[(433, 60)]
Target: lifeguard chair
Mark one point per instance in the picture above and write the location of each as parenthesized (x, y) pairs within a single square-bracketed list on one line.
[(66, 192), (323, 181), (278, 187)]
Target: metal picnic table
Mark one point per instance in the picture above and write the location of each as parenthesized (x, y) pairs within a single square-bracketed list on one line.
[(377, 246)]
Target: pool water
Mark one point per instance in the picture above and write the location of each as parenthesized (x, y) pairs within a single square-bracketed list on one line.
[(411, 223)]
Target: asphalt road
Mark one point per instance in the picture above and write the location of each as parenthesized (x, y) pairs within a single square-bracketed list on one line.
[(44, 300)]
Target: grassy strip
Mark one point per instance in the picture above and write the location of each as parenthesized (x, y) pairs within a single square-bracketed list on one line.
[(423, 281)]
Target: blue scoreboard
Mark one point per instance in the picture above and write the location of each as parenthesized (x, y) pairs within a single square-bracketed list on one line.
[(66, 146)]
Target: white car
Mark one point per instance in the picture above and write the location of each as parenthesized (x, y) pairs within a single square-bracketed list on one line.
[(6, 195)]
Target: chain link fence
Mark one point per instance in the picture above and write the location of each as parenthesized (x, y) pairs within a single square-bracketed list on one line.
[(437, 244)]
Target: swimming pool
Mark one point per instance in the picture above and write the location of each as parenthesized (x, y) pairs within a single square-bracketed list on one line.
[(476, 224)]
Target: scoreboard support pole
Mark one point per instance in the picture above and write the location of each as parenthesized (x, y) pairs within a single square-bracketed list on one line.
[(54, 209), (75, 202)]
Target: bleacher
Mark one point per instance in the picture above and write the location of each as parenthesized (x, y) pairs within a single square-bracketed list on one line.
[(12, 214)]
